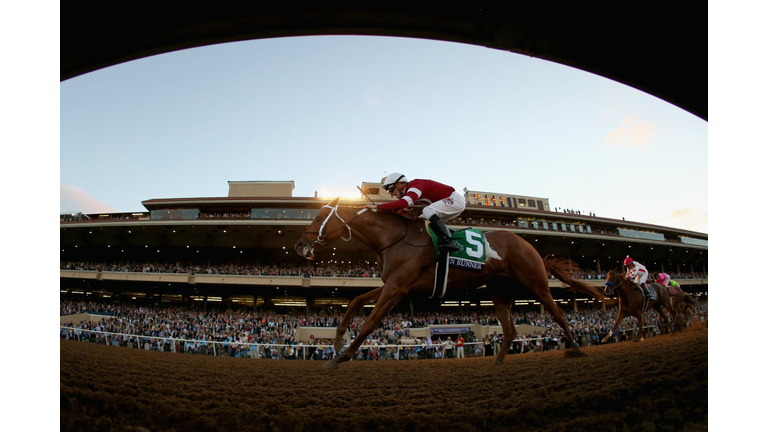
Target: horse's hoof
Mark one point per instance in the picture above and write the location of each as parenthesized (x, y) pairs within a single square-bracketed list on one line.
[(496, 363), (330, 364)]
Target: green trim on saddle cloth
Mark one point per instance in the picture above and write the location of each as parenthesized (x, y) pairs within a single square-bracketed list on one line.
[(472, 246)]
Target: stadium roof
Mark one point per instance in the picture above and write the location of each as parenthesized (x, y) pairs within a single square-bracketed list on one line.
[(657, 49)]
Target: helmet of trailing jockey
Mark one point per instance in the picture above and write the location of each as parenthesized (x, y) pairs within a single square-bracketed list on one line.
[(627, 261)]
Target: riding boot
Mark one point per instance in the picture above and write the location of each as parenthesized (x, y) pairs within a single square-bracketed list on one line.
[(446, 243)]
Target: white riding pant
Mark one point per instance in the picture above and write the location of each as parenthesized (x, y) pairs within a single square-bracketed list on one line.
[(641, 278), (446, 209)]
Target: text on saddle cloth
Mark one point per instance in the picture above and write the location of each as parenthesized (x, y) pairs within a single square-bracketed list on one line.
[(472, 248)]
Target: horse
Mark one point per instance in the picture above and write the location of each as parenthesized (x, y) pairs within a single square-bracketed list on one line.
[(682, 302), (407, 259), (633, 303)]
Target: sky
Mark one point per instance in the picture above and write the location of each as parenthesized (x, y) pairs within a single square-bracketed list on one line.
[(332, 112)]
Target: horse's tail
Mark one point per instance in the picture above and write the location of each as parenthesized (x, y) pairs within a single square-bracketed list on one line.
[(565, 269)]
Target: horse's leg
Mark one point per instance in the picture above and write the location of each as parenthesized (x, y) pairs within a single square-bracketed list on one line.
[(666, 301), (545, 297), (640, 327), (389, 297), (615, 326), (352, 309), (504, 313), (663, 316)]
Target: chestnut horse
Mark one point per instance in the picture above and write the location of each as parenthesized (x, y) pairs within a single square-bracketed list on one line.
[(406, 259), (632, 302)]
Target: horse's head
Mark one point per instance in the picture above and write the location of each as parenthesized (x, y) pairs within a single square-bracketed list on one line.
[(612, 280), (326, 228)]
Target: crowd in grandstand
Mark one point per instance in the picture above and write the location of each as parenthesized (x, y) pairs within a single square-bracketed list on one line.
[(318, 269), (269, 334)]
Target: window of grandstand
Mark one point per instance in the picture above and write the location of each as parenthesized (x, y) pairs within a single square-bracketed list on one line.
[(641, 234), (185, 214), (290, 301), (262, 213), (693, 241), (243, 300), (329, 302), (203, 298)]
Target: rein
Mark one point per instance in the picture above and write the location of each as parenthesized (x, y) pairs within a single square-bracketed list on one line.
[(402, 239), (615, 287), (345, 224)]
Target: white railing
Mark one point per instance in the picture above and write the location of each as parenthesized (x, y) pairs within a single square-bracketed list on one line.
[(302, 351)]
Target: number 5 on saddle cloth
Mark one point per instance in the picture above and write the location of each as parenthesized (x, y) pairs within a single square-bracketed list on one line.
[(471, 256)]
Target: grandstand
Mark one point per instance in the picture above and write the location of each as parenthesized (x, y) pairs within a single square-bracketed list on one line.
[(238, 250)]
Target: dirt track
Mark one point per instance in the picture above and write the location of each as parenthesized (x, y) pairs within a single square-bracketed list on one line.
[(659, 384)]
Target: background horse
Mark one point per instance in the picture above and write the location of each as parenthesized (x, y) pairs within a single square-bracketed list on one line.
[(683, 303), (406, 259), (632, 302)]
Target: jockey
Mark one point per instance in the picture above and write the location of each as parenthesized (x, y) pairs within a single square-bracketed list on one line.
[(663, 279), (636, 270), (673, 287), (442, 202)]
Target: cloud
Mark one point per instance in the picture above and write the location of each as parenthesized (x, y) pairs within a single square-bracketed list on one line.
[(74, 199), (631, 133), (685, 218)]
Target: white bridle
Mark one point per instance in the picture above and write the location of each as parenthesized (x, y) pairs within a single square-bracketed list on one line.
[(334, 211)]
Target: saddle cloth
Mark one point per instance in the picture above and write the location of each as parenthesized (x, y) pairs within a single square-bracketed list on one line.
[(471, 255), (472, 249)]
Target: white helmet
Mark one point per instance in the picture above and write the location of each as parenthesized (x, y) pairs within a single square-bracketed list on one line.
[(390, 180)]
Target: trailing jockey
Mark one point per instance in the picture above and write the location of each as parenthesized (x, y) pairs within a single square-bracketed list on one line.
[(442, 203), (665, 280), (637, 271)]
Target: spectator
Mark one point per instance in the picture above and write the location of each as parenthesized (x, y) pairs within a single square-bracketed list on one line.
[(459, 346)]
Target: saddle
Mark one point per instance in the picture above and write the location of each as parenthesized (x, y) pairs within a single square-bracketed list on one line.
[(649, 295)]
